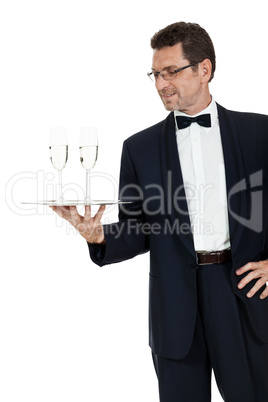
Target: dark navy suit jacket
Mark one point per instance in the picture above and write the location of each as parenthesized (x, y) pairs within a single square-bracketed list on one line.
[(158, 221)]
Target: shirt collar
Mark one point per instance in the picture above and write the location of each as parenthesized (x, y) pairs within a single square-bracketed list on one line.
[(211, 109)]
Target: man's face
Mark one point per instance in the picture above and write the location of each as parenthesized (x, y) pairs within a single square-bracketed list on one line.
[(186, 91)]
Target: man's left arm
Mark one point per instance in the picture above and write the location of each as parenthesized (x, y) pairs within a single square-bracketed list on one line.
[(256, 271)]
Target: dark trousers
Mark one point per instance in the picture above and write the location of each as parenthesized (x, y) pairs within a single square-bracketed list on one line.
[(223, 341)]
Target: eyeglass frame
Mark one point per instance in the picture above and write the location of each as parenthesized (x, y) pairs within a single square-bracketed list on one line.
[(174, 71)]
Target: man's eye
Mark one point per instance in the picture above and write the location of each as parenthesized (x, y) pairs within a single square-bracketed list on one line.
[(156, 75)]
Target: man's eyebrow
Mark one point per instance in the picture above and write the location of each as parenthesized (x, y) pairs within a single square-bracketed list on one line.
[(173, 67)]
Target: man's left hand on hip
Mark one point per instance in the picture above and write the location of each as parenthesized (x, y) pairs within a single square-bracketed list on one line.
[(258, 270)]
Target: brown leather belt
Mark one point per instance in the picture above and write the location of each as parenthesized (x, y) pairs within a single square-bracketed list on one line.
[(213, 257)]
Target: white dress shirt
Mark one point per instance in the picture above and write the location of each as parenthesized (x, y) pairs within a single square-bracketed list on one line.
[(202, 164)]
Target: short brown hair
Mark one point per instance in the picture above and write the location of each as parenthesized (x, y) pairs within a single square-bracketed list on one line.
[(196, 43)]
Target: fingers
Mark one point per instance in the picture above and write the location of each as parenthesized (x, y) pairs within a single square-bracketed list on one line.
[(257, 270), (87, 215), (264, 293), (69, 213), (252, 275), (99, 214), (74, 213), (62, 211), (247, 267), (258, 285), (89, 227), (97, 217)]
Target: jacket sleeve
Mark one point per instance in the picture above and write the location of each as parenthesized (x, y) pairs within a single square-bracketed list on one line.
[(124, 239)]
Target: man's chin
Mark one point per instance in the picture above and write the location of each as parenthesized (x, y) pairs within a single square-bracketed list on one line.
[(170, 107)]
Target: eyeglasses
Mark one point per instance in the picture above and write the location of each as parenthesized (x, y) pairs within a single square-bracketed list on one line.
[(168, 74)]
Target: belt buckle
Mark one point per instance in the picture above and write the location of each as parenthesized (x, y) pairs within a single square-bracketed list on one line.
[(216, 254), (203, 263)]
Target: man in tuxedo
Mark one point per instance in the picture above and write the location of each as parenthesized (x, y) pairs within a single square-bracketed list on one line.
[(198, 186)]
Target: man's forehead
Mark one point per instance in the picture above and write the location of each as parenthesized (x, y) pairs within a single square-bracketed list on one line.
[(169, 56)]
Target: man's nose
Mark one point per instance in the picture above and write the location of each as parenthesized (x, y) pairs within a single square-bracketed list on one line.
[(161, 83)]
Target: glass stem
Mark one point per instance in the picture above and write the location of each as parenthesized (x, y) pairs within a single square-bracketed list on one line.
[(87, 186), (60, 186)]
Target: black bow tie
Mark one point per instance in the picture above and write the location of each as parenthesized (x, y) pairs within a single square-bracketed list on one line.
[(185, 121)]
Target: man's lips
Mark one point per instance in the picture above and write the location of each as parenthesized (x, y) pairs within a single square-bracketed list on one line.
[(167, 96)]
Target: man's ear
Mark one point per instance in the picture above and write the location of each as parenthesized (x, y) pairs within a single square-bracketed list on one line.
[(206, 68)]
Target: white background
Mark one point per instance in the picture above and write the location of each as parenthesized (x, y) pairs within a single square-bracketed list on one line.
[(70, 331)]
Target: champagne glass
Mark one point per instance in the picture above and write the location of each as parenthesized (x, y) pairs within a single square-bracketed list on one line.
[(58, 153), (88, 154)]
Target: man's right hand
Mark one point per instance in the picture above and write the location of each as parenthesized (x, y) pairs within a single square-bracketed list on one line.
[(89, 227)]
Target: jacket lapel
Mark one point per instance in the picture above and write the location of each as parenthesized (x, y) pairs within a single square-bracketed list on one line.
[(176, 204), (234, 174)]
